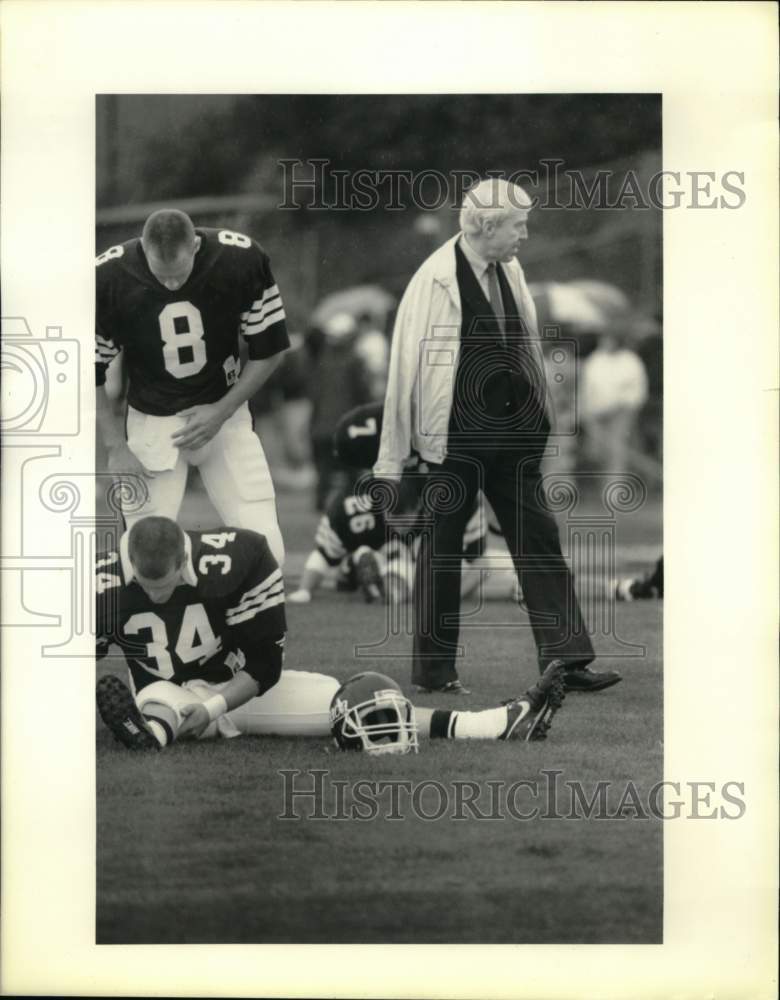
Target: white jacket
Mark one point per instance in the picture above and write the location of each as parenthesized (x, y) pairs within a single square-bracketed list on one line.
[(424, 359)]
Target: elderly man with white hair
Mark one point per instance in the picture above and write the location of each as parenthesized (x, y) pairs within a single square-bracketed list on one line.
[(466, 391)]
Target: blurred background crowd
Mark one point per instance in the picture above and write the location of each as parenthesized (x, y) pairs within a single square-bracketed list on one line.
[(594, 270)]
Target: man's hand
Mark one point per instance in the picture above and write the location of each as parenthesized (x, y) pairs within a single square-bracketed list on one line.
[(122, 462), (203, 422), (196, 721)]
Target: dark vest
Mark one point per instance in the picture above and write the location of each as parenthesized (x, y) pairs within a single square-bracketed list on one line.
[(499, 387)]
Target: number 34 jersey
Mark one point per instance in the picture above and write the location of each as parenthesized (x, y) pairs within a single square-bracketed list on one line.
[(228, 609), (181, 347)]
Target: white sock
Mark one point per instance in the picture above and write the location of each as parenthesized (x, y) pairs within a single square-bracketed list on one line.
[(158, 731), (487, 725)]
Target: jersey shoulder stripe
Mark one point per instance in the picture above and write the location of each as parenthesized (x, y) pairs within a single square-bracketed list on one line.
[(257, 591), (272, 583), (264, 312), (267, 594), (271, 601)]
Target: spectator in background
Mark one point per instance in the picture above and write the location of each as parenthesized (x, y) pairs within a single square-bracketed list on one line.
[(650, 420), (342, 382), (560, 369), (613, 389)]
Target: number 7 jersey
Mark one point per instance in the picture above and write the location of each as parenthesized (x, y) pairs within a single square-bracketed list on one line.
[(181, 347), (218, 621)]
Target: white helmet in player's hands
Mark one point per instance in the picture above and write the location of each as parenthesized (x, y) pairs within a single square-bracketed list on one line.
[(370, 712)]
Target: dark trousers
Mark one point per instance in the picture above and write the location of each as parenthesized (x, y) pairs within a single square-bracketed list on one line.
[(511, 481)]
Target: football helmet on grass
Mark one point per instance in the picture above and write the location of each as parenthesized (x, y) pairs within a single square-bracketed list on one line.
[(369, 712)]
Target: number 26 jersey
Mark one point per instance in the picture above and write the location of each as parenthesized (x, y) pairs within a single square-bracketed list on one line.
[(181, 347)]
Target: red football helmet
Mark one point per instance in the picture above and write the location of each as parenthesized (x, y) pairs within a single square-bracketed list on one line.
[(370, 712)]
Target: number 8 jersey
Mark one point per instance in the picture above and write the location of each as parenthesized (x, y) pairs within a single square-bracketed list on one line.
[(181, 347), (226, 615)]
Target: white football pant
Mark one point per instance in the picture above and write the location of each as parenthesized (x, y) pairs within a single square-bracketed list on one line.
[(297, 705), (232, 466)]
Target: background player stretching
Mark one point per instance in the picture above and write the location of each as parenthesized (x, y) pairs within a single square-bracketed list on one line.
[(174, 302)]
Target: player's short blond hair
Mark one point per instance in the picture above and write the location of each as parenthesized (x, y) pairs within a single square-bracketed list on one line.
[(167, 232), (491, 199), (155, 546)]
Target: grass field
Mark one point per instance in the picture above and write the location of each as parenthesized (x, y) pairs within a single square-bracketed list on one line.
[(191, 848)]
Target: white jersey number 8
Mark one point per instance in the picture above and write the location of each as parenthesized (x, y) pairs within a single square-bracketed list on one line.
[(231, 239), (184, 350)]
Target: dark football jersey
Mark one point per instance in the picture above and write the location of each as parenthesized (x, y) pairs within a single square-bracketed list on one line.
[(180, 347), (356, 439), (211, 627), (353, 519), (349, 522)]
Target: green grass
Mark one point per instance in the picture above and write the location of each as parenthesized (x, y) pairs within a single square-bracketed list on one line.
[(191, 849)]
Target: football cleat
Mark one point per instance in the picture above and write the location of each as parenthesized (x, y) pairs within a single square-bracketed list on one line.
[(529, 717), (451, 687), (369, 576), (585, 679), (120, 713), (369, 712)]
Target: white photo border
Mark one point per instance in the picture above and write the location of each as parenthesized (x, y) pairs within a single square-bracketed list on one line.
[(715, 65)]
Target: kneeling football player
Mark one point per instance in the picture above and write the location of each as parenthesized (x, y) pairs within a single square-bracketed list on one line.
[(367, 547), (199, 617)]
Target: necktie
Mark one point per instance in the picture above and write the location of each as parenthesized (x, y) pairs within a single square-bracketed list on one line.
[(496, 303)]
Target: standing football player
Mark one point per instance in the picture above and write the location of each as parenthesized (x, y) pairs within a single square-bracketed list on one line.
[(174, 303), (199, 618)]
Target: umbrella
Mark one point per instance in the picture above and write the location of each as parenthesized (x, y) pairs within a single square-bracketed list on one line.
[(560, 304), (611, 300), (355, 301)]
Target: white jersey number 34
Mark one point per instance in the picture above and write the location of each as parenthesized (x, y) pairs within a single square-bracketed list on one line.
[(196, 639)]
